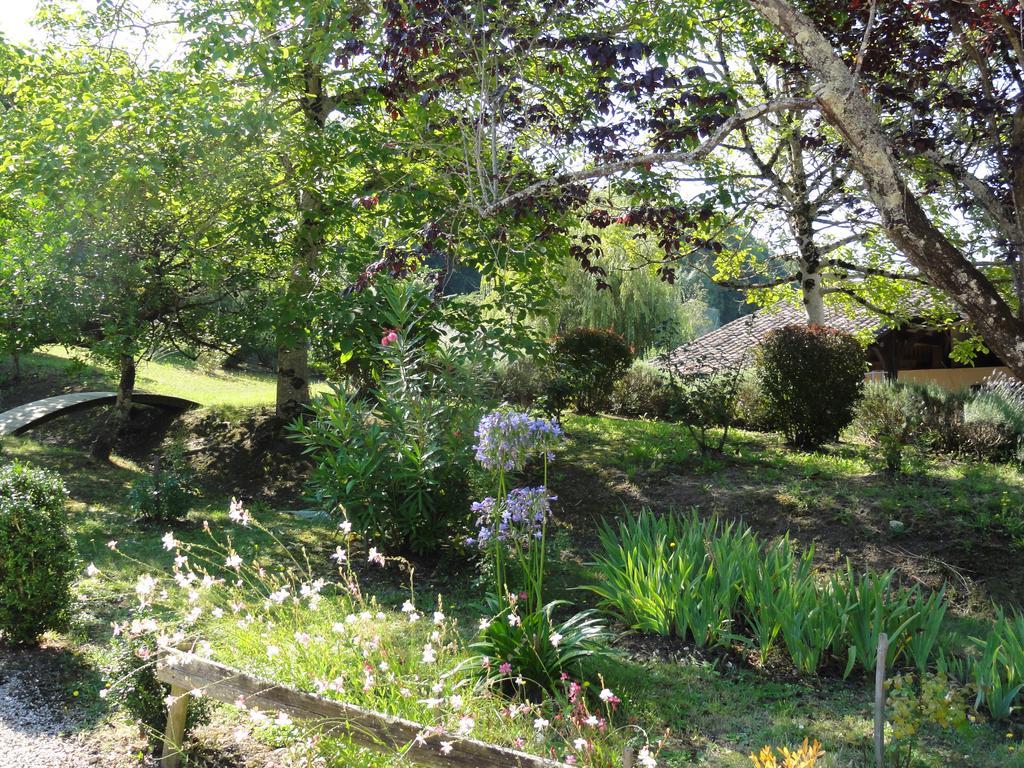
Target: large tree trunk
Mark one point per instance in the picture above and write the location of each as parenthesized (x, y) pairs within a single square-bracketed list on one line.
[(905, 222), (293, 335), (118, 421)]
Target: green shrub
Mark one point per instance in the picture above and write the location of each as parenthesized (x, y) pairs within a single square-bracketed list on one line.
[(642, 392), (705, 403), (811, 378), (988, 431), (37, 555), (520, 382), (394, 460), (942, 416), (166, 496), (890, 416), (751, 406), (135, 687), (993, 422), (591, 360)]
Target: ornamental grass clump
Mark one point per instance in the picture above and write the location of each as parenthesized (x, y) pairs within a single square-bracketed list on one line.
[(523, 640)]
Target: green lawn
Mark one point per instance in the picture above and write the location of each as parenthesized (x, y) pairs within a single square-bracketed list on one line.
[(169, 376)]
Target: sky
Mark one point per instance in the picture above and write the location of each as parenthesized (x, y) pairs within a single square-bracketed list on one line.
[(14, 19)]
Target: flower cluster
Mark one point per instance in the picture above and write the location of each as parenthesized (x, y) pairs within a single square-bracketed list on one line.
[(390, 337), (518, 522), (507, 439)]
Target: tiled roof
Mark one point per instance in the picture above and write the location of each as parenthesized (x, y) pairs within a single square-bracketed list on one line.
[(734, 342)]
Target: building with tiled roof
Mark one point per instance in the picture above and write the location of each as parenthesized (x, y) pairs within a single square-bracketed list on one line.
[(912, 351)]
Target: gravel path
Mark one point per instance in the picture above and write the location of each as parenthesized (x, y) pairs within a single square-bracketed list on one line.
[(39, 728)]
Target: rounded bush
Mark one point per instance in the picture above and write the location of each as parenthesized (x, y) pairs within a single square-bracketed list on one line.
[(811, 379), (37, 556), (643, 392), (166, 497), (590, 361)]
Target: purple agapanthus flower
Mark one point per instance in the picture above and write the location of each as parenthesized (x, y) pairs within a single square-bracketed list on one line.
[(516, 522), (506, 439)]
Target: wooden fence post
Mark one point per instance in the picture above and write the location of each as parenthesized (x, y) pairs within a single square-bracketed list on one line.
[(883, 652), (174, 735), (627, 757)]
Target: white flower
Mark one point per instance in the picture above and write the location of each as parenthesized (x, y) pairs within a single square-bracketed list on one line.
[(340, 555), (168, 541), (145, 585), (91, 570), (233, 561), (645, 758), (345, 526), (238, 513), (455, 700), (606, 695), (180, 560), (408, 607), (429, 655), (556, 639), (540, 724), (580, 744), (375, 557), (112, 544), (592, 721), (282, 719), (446, 747), (514, 620), (432, 703), (104, 692), (484, 624), (272, 651), (466, 724), (438, 617)]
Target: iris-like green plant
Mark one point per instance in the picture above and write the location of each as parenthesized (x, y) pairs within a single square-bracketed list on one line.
[(697, 579), (998, 669)]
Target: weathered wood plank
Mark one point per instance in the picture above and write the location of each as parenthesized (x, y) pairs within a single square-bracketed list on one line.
[(174, 735), (373, 730)]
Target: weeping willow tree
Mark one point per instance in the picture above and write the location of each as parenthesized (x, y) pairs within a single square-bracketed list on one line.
[(620, 289)]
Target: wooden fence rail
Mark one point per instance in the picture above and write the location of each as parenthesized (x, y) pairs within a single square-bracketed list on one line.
[(186, 672)]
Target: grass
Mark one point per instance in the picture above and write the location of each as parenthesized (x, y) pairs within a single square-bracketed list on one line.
[(717, 709), (170, 375)]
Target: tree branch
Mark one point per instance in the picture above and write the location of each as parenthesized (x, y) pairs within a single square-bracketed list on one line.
[(654, 158)]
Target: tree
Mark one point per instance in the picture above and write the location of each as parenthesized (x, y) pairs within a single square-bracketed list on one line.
[(142, 189)]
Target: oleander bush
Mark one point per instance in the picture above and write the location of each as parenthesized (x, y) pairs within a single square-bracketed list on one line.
[(590, 361), (37, 554), (811, 378), (393, 460)]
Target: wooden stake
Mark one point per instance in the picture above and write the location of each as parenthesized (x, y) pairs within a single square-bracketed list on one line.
[(627, 757), (883, 651), (174, 735)]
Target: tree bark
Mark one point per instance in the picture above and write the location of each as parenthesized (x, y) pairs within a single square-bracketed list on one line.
[(905, 222), (118, 422), (16, 363), (293, 334)]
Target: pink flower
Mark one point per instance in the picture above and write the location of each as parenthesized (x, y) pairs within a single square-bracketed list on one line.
[(505, 669)]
